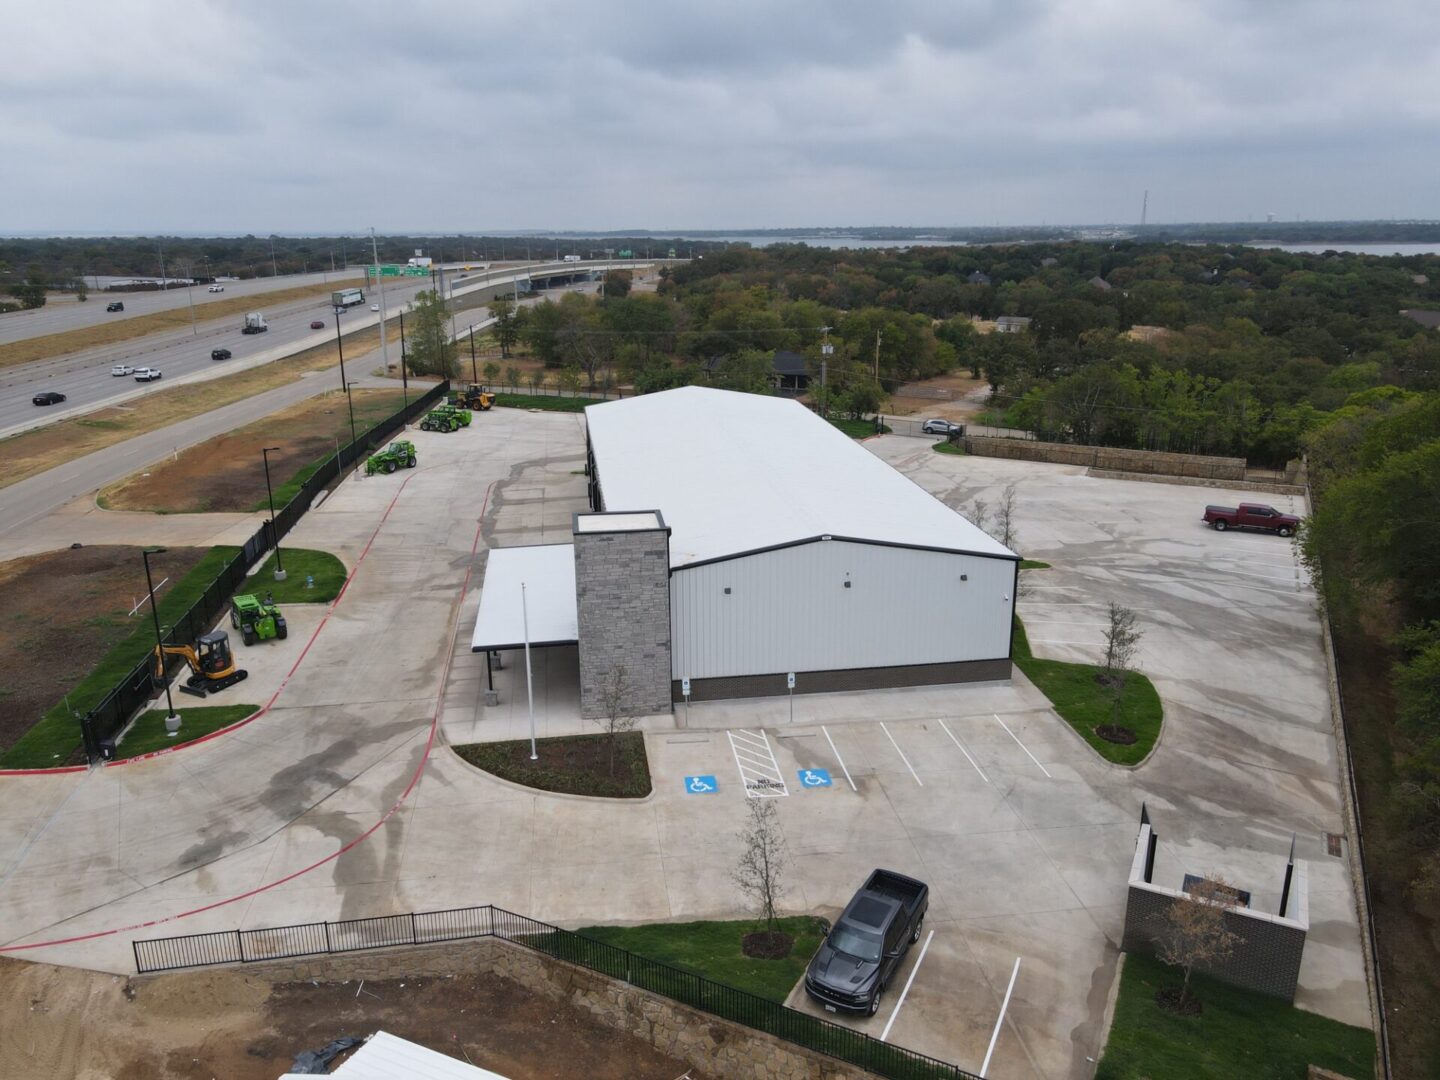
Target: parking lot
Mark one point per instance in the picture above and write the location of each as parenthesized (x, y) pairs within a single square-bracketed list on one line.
[(339, 804)]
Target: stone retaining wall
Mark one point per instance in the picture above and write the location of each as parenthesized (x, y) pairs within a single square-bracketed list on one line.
[(1109, 457), (1271, 487), (699, 1039)]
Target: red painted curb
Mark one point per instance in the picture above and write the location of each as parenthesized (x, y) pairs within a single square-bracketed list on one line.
[(395, 806)]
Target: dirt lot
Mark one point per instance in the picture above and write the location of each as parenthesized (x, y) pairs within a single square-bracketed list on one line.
[(63, 611), (232, 1025), (226, 473), (956, 396)]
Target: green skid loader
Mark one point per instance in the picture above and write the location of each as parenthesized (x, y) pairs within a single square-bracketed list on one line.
[(256, 619), (446, 418), (399, 454)]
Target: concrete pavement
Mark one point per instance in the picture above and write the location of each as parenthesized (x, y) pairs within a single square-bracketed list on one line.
[(337, 804)]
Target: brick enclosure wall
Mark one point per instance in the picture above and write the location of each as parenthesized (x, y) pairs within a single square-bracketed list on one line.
[(622, 594), (1107, 457)]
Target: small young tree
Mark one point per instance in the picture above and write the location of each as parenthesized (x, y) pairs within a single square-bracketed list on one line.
[(570, 379), (507, 324), (1121, 638), (613, 691), (978, 511), (1193, 931), (512, 376), (1006, 529), (429, 348), (536, 381), (760, 871)]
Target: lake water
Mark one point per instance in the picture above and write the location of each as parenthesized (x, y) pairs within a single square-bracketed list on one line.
[(1358, 249)]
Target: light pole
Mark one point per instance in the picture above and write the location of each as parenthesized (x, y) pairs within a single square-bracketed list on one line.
[(339, 344), (170, 717), (273, 271), (265, 453), (404, 383), (380, 287)]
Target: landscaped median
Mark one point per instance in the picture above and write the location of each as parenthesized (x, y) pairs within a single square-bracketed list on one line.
[(715, 950), (606, 766), (1236, 1033), (1083, 700), (148, 733), (55, 739)]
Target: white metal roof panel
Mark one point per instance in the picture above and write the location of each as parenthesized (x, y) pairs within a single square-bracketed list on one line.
[(548, 573), (736, 472), (388, 1057)]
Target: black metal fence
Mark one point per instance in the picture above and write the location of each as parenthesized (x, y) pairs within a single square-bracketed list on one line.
[(428, 927), (100, 726)]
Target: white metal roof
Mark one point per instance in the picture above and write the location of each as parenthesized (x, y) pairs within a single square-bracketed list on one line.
[(388, 1057), (548, 572), (735, 472)]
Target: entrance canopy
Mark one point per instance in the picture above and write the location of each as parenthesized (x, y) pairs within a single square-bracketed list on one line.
[(548, 573)]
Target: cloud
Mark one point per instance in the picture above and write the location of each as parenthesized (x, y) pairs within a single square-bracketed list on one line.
[(270, 116)]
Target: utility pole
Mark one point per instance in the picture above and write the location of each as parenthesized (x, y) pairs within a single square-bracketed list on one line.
[(877, 356), (162, 265), (380, 285), (274, 272)]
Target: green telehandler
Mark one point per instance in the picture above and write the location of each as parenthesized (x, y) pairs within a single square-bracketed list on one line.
[(256, 619), (446, 418), (399, 454)]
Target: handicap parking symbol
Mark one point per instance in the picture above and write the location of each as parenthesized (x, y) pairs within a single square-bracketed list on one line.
[(814, 777), (701, 785)]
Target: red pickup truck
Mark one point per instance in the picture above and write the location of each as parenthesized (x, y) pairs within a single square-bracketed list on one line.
[(1251, 516)]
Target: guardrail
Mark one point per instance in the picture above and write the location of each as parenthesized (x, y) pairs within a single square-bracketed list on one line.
[(428, 927), (100, 726)]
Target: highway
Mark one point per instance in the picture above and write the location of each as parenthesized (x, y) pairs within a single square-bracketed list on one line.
[(184, 354), (63, 312)]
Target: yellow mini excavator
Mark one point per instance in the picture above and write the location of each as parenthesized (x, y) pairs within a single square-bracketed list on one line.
[(212, 667)]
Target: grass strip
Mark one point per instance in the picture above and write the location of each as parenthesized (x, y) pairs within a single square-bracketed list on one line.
[(299, 563), (948, 447), (56, 736), (1238, 1033), (860, 429), (148, 733), (570, 764), (28, 350), (1084, 703), (713, 950), (1033, 564), (547, 404)]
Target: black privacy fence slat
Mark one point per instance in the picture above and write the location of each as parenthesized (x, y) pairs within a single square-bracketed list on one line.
[(419, 928), (105, 721)]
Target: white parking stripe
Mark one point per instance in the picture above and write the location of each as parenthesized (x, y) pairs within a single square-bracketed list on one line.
[(918, 961), (760, 773), (1001, 1018), (838, 758), (968, 758), (901, 753), (1022, 746)]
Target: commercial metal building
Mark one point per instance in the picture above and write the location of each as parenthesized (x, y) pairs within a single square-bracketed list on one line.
[(736, 539)]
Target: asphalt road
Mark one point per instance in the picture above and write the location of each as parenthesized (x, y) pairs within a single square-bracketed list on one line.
[(85, 378), (64, 312)]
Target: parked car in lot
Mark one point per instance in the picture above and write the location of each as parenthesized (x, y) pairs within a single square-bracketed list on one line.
[(217, 288), (940, 427), (317, 324), (1251, 516), (49, 397), (122, 369), (115, 305), (219, 354), (862, 951), (147, 374)]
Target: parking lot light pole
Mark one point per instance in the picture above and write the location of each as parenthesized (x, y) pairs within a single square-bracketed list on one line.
[(265, 453), (339, 344), (172, 721), (529, 686)]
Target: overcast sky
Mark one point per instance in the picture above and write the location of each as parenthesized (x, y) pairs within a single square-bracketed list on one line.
[(308, 117)]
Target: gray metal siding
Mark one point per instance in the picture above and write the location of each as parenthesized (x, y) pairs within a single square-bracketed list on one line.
[(789, 610)]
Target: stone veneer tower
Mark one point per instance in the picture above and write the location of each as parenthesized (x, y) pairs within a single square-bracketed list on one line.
[(622, 598)]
